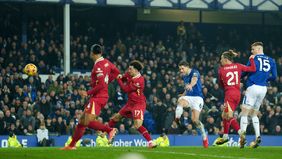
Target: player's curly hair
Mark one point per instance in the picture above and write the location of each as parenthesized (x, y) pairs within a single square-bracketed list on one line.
[(137, 65), (96, 49), (230, 54)]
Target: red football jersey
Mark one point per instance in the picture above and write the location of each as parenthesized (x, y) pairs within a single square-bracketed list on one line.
[(134, 87), (230, 75), (102, 74)]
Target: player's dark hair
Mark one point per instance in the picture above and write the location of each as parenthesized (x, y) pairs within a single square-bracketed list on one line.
[(230, 54), (258, 43), (183, 63), (96, 49), (137, 65)]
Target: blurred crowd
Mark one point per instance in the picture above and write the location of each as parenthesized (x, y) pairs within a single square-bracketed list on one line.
[(27, 102)]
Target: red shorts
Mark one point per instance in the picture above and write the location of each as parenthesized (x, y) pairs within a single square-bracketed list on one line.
[(135, 111), (231, 101), (95, 105)]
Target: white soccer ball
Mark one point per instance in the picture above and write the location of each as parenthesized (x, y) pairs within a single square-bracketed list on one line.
[(252, 144)]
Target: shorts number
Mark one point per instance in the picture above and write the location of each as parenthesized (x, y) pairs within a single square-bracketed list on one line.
[(201, 106), (138, 113), (231, 76)]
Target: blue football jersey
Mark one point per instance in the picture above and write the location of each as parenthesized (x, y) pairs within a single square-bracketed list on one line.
[(196, 89), (265, 71)]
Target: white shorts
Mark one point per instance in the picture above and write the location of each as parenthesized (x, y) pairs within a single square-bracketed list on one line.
[(195, 102), (254, 97)]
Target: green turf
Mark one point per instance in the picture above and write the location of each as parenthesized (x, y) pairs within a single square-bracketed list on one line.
[(158, 153)]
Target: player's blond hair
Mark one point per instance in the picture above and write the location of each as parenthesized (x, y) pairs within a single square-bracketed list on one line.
[(258, 43)]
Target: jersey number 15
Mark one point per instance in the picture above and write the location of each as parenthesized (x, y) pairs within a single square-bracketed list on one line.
[(264, 65)]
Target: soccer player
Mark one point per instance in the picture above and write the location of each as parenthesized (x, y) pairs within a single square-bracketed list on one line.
[(229, 75), (102, 74), (256, 88), (132, 83), (192, 97)]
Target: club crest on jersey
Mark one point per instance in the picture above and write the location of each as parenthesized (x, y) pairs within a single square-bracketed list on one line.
[(195, 74), (99, 70), (137, 85), (106, 64)]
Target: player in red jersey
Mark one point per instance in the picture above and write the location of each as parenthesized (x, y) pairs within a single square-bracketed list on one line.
[(229, 79), (136, 104), (102, 74)]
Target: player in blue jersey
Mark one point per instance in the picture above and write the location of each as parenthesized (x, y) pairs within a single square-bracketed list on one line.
[(256, 89), (192, 97)]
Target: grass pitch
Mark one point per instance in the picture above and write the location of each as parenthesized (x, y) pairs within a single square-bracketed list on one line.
[(158, 153)]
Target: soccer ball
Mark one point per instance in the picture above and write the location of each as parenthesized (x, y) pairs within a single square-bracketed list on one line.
[(252, 144), (30, 69)]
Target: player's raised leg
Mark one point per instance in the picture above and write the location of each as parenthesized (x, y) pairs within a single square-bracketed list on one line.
[(181, 103)]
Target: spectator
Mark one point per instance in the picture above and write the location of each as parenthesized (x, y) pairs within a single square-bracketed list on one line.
[(122, 130), (181, 30), (9, 119), (61, 126), (2, 123), (43, 136), (28, 119), (158, 109), (174, 128), (277, 130)]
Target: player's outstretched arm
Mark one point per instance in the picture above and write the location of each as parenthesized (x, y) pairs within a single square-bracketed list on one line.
[(251, 68)]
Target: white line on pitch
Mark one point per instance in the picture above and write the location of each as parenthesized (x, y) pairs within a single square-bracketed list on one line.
[(189, 154)]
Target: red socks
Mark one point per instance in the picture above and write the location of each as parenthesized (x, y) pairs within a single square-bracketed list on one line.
[(79, 131), (145, 133), (234, 123), (96, 125), (231, 122), (226, 126)]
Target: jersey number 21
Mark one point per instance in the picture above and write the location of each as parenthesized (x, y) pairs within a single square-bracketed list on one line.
[(231, 76)]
